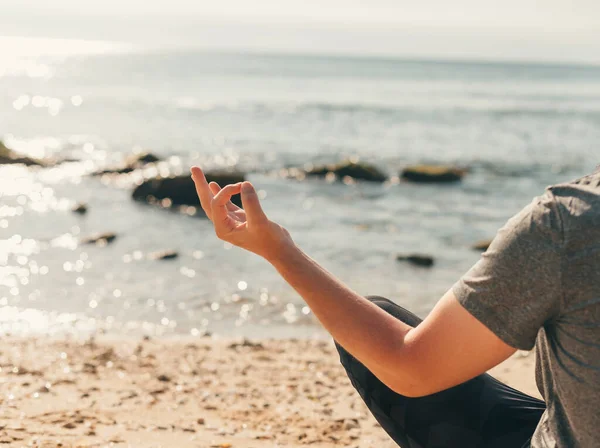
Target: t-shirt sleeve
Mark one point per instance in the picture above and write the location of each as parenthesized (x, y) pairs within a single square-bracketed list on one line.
[(515, 288)]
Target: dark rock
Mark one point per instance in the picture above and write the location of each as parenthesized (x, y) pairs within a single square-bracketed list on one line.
[(360, 171), (106, 355), (433, 174), (163, 255), (67, 160), (141, 159), (132, 162), (8, 156), (163, 378), (121, 170), (101, 239), (482, 245), (80, 208), (180, 190), (418, 260), (247, 343), (321, 170), (354, 170)]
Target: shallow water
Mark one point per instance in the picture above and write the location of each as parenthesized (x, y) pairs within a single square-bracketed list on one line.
[(518, 127)]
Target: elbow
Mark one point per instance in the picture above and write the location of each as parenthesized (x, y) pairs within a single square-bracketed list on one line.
[(413, 382), (410, 389)]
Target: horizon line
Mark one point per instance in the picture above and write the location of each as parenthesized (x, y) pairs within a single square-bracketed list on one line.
[(127, 47)]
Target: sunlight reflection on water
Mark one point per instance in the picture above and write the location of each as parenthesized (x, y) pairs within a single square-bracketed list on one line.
[(34, 47), (520, 129), (75, 294)]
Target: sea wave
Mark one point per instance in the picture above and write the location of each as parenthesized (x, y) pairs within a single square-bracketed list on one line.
[(503, 108), (20, 46)]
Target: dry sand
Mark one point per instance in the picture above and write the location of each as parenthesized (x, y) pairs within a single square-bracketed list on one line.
[(201, 393)]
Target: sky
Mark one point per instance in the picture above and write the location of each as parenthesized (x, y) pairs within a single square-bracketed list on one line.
[(549, 30)]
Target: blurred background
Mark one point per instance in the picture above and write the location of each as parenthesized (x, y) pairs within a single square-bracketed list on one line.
[(100, 98)]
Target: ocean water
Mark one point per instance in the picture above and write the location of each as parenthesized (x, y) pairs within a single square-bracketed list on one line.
[(518, 127)]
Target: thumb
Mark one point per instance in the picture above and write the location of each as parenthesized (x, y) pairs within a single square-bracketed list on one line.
[(251, 204)]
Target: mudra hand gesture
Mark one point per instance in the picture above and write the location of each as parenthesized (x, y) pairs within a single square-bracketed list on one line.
[(248, 228)]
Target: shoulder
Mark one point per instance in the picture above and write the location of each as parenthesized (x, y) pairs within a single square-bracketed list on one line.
[(539, 223), (578, 205)]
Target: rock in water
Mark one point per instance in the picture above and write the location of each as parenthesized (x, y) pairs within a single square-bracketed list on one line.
[(359, 171), (8, 156), (416, 259), (101, 239), (354, 170), (433, 174), (142, 158), (180, 190), (163, 255), (132, 162), (482, 245), (120, 170), (80, 208)]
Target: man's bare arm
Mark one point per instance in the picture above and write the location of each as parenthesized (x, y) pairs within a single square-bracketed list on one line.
[(449, 347)]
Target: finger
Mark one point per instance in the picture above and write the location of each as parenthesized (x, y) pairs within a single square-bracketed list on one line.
[(202, 189), (219, 203), (215, 188), (254, 212)]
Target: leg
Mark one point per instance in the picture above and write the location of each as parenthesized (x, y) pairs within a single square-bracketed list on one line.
[(481, 413)]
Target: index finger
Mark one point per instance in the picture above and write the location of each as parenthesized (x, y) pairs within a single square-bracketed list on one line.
[(220, 200), (202, 189)]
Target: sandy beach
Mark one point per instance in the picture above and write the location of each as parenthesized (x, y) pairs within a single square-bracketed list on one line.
[(194, 393)]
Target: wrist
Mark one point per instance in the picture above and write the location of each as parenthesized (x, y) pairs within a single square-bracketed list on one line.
[(281, 250)]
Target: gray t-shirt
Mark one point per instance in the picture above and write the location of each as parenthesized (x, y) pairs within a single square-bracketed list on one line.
[(539, 284)]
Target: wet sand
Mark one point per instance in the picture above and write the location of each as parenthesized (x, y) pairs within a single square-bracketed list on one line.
[(192, 393)]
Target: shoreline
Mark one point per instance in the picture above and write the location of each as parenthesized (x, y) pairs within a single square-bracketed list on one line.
[(207, 392)]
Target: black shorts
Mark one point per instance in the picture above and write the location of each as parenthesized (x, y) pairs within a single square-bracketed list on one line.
[(480, 413)]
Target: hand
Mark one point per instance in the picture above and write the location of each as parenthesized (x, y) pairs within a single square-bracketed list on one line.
[(248, 228)]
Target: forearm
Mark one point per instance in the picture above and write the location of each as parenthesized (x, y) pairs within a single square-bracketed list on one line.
[(406, 360), (366, 331)]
